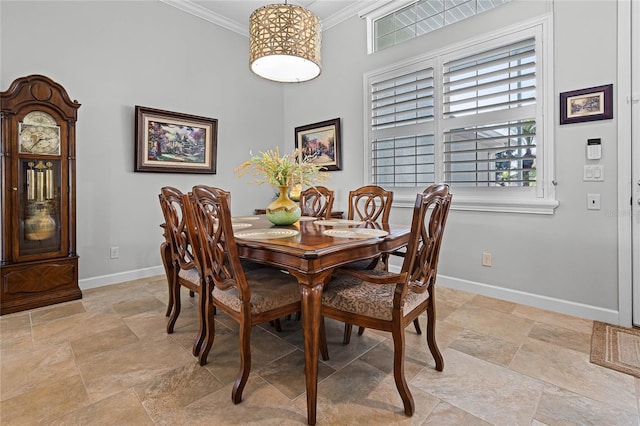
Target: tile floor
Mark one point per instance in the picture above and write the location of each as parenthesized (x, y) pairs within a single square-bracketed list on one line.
[(106, 359)]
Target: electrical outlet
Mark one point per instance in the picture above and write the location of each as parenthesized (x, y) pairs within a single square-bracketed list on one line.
[(114, 253), (593, 201), (486, 259)]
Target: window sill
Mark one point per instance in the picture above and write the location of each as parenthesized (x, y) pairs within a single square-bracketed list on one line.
[(488, 204)]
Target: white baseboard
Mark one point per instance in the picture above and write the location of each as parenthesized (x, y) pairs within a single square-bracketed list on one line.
[(542, 302), (120, 277), (575, 309), (566, 307)]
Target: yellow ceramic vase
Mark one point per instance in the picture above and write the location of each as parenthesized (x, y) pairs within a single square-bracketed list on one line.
[(283, 211)]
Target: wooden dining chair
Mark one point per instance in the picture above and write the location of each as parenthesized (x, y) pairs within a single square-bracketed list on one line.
[(257, 296), (370, 204), (180, 262), (388, 301), (317, 201)]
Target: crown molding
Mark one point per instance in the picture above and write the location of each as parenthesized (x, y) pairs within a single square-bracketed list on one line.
[(357, 9), (206, 14)]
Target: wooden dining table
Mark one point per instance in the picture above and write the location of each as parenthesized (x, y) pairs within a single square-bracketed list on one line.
[(311, 250)]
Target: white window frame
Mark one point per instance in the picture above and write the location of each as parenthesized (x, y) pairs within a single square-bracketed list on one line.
[(537, 200), (382, 8)]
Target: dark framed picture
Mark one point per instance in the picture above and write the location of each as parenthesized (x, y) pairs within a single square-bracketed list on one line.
[(594, 103), (175, 143), (320, 143)]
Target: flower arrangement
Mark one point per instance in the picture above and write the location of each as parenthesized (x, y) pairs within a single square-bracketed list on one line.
[(282, 170)]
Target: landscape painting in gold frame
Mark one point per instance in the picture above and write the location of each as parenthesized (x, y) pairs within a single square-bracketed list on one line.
[(319, 143), (175, 143)]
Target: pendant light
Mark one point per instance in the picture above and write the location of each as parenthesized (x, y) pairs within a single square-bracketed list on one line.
[(284, 43)]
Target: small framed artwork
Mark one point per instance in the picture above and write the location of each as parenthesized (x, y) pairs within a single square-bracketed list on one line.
[(319, 143), (174, 143), (594, 103)]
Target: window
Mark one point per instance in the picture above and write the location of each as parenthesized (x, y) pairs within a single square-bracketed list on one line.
[(423, 16), (470, 116), (481, 148)]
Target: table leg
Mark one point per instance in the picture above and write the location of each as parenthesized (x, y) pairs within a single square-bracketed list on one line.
[(311, 299), (311, 304)]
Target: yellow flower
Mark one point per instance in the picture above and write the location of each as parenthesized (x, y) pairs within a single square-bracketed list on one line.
[(270, 167)]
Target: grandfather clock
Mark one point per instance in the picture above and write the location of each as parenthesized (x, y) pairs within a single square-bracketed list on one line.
[(39, 260)]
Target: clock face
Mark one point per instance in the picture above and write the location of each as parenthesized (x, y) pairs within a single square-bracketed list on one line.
[(39, 139)]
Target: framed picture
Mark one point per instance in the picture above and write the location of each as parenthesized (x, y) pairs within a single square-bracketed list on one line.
[(174, 143), (320, 143), (594, 103)]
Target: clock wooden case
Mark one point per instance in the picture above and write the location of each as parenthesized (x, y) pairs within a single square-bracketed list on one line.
[(39, 260)]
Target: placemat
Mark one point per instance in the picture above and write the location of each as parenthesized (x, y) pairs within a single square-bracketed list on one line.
[(240, 225), (355, 233), (337, 222), (266, 234), (243, 218)]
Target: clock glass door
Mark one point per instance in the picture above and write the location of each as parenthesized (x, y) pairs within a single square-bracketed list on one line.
[(40, 223)]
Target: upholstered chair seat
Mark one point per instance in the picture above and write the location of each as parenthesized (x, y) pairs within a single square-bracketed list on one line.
[(270, 289), (351, 294)]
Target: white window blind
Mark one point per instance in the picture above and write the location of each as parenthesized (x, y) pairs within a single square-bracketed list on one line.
[(406, 99), (403, 143), (489, 117)]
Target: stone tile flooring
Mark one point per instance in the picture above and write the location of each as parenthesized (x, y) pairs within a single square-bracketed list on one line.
[(106, 359)]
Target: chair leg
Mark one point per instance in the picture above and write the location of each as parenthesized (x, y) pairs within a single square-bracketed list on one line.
[(324, 349), (177, 304), (171, 303), (416, 324), (210, 332), (202, 331), (245, 361), (276, 323), (165, 253), (398, 370), (347, 334), (431, 338)]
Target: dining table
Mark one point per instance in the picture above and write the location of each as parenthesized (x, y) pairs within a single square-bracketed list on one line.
[(310, 250)]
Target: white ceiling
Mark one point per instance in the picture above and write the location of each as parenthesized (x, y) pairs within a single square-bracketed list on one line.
[(234, 14)]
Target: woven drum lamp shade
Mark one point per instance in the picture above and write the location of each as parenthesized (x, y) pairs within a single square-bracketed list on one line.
[(284, 43)]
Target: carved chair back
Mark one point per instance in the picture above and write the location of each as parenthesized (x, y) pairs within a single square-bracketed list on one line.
[(211, 222), (173, 210), (370, 203), (317, 201), (427, 228)]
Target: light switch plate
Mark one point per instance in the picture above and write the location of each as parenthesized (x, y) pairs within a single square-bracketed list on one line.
[(593, 173)]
